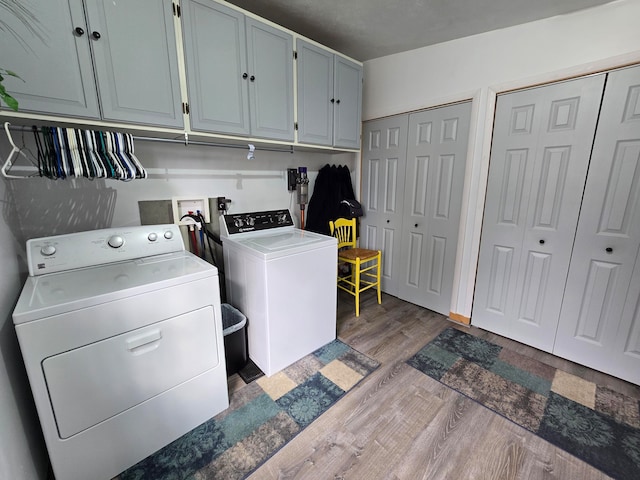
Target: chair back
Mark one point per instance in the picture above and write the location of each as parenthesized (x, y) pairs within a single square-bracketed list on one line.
[(344, 229)]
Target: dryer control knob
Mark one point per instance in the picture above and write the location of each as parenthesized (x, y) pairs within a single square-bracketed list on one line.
[(48, 250), (168, 234), (152, 237), (115, 241)]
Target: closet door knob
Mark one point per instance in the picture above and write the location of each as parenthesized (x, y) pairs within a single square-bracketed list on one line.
[(609, 249), (541, 242), (245, 75), (252, 78), (96, 35), (416, 225), (79, 31), (387, 221)]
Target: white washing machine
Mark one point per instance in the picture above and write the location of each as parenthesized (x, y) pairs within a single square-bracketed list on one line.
[(283, 280), (121, 334)]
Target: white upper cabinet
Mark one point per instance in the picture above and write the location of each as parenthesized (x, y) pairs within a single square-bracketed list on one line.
[(329, 97), (54, 63), (81, 62), (239, 73), (122, 62), (136, 61)]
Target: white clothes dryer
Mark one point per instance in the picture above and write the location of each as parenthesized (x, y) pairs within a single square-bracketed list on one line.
[(283, 280), (121, 334)]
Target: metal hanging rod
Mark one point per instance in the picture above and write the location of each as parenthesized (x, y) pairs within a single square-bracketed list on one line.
[(15, 151), (187, 142)]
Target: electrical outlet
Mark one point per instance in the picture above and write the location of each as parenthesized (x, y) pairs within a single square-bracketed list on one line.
[(183, 205)]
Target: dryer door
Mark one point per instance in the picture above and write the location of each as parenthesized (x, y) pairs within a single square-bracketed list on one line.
[(92, 383)]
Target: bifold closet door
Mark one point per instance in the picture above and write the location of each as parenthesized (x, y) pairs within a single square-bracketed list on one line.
[(384, 157), (539, 158), (434, 179), (600, 321)]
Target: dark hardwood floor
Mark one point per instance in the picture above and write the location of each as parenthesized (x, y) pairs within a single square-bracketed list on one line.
[(401, 424)]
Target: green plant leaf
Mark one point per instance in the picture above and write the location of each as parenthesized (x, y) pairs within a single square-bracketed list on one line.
[(11, 102)]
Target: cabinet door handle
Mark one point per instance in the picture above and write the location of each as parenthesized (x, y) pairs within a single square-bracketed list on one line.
[(541, 242), (252, 78), (609, 249), (245, 75), (338, 101), (333, 100), (387, 221), (416, 225), (96, 35), (79, 31)]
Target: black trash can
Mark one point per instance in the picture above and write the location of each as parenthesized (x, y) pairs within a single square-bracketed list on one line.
[(234, 325)]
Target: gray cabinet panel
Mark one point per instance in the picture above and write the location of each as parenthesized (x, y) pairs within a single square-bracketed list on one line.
[(138, 80), (216, 60), (270, 57), (315, 91), (348, 104), (329, 98), (56, 71), (239, 73)]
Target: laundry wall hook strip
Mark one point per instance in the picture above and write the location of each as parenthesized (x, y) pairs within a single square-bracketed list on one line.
[(74, 153)]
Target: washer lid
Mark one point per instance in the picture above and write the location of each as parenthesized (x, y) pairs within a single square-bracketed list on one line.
[(280, 242), (66, 291)]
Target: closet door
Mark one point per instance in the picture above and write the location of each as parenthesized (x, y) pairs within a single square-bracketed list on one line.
[(538, 166), (436, 158), (384, 152), (600, 320)]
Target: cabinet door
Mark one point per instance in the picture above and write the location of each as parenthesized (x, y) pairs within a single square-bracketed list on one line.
[(600, 320), (436, 159), (216, 60), (55, 67), (539, 158), (270, 57), (348, 104), (136, 61), (383, 176), (315, 92)]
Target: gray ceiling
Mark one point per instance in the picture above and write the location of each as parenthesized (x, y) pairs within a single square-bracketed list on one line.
[(366, 29)]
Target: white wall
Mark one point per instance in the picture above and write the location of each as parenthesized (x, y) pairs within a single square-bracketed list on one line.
[(477, 68), (22, 451)]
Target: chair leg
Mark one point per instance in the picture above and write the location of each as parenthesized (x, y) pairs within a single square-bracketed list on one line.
[(356, 277), (378, 276)]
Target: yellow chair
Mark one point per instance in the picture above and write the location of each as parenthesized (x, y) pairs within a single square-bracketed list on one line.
[(361, 260)]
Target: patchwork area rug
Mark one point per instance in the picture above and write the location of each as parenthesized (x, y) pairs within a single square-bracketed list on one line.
[(262, 417), (596, 424)]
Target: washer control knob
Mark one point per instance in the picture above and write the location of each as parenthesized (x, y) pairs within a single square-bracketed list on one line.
[(115, 241), (168, 234), (238, 222), (152, 237), (48, 250), (250, 221)]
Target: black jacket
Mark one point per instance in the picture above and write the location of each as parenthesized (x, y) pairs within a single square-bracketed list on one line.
[(332, 185)]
